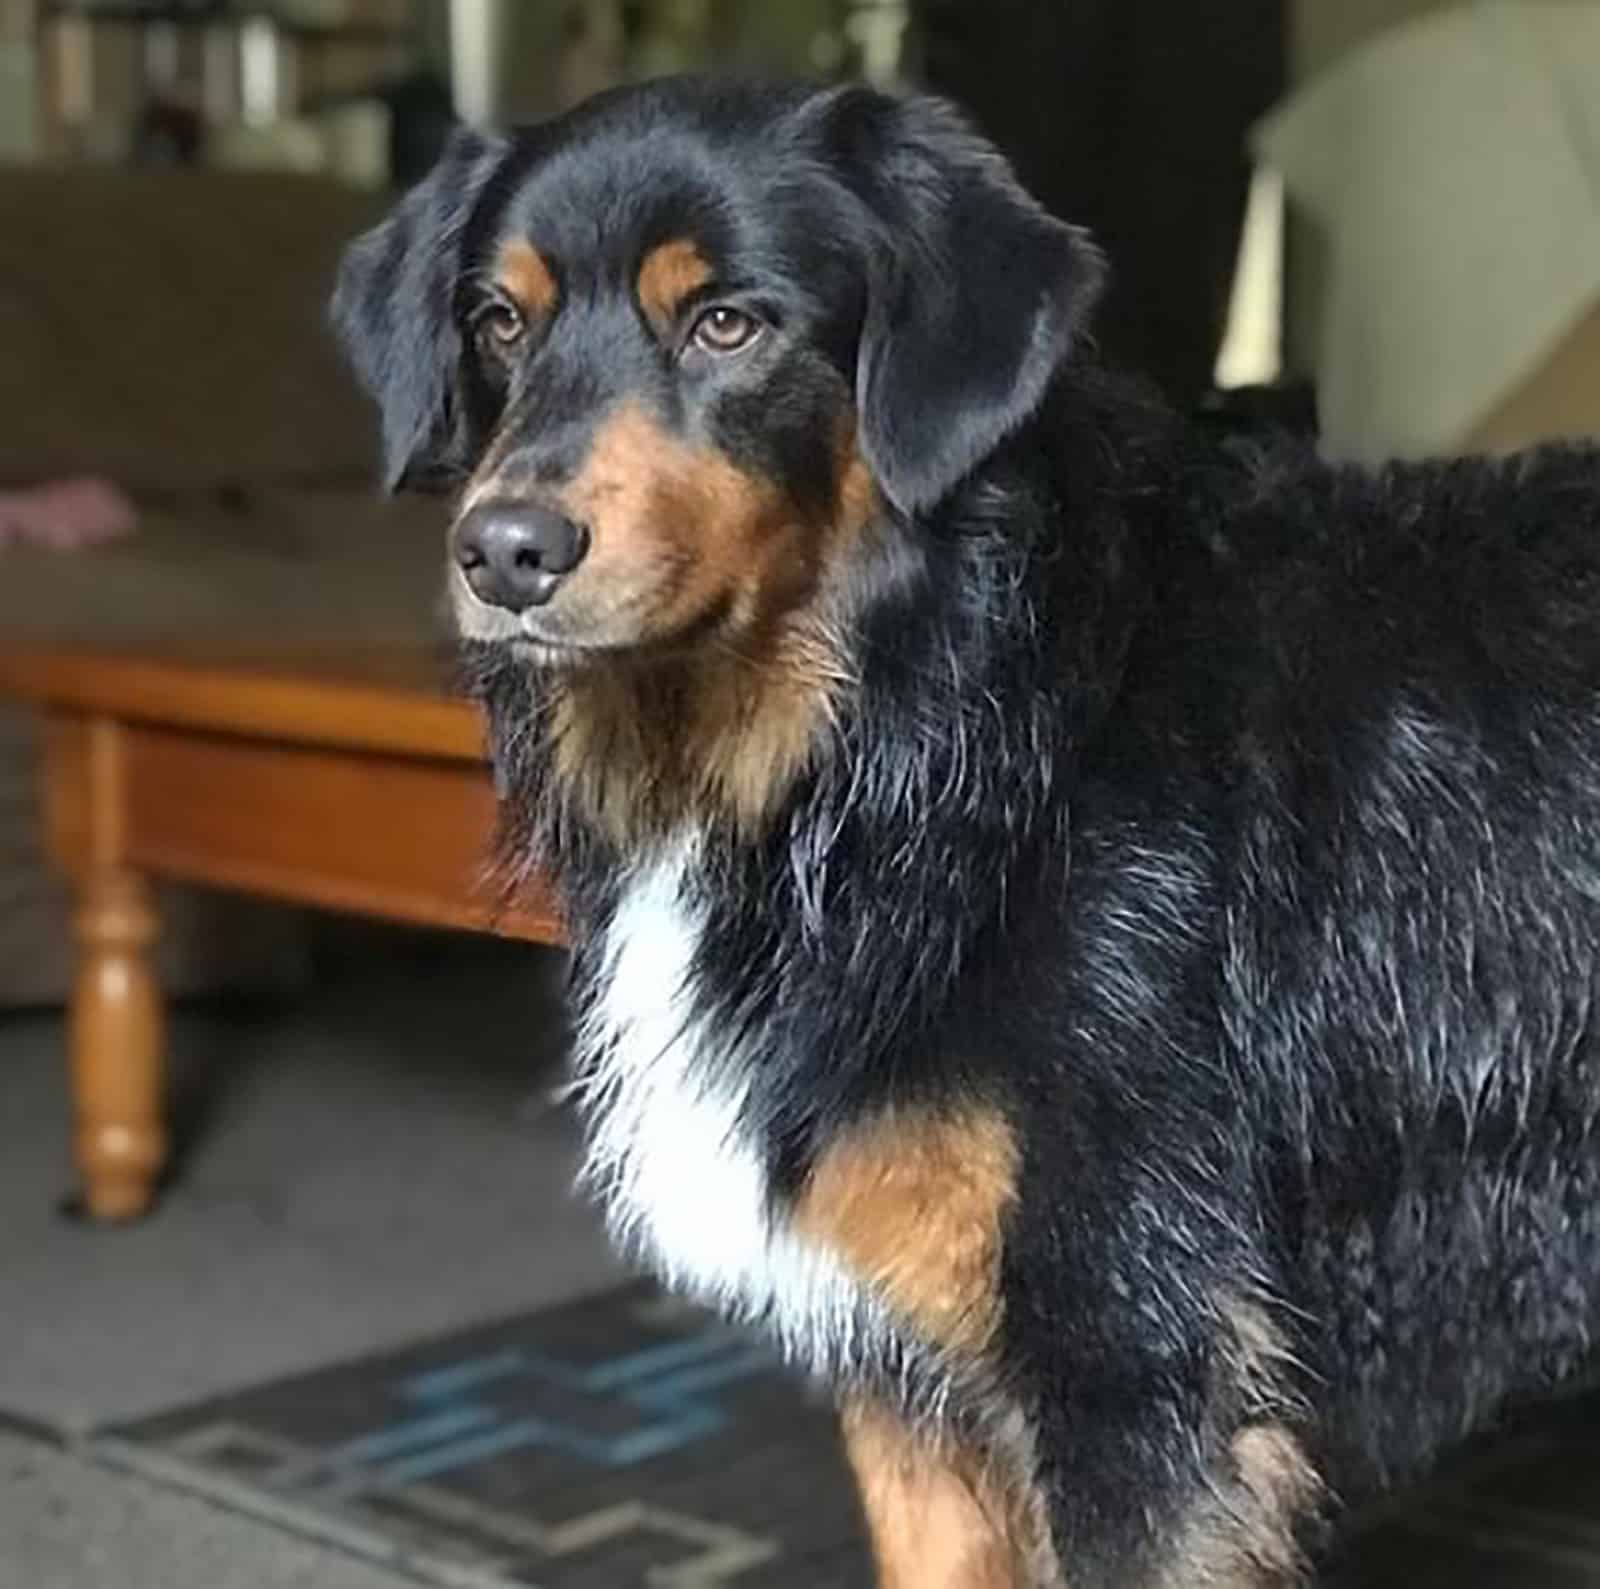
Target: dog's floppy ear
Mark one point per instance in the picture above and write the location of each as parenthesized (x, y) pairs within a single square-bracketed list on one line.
[(393, 308), (975, 293)]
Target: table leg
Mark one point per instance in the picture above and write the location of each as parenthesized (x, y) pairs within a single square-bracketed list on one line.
[(116, 1040), (117, 1045)]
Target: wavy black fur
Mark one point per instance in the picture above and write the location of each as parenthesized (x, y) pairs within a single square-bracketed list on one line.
[(1232, 821), (1247, 836)]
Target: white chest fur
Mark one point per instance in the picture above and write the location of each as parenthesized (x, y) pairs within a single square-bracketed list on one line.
[(684, 1186)]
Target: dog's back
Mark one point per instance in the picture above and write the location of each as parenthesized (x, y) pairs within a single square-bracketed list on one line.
[(1343, 824)]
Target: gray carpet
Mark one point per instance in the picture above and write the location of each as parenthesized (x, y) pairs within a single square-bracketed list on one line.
[(68, 1524), (372, 1163)]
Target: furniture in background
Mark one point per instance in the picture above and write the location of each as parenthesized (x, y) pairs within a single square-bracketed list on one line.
[(1445, 289), (175, 80), (165, 329), (346, 780)]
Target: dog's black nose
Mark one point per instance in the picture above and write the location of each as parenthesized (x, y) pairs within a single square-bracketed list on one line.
[(514, 554)]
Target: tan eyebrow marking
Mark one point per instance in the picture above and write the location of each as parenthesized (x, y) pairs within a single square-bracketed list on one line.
[(670, 273), (524, 275)]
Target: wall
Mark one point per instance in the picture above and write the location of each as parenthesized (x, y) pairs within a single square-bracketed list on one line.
[(1323, 30)]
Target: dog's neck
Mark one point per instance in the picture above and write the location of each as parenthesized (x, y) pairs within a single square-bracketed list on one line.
[(645, 751), (919, 736)]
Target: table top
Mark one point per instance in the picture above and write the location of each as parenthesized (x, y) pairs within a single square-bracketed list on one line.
[(385, 701)]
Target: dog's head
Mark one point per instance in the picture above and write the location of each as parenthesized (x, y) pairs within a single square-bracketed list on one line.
[(680, 346)]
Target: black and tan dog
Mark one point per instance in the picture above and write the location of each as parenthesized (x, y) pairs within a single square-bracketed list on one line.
[(1086, 934)]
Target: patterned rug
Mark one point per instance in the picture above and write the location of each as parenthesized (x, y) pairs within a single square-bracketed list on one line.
[(628, 1442), (619, 1441)]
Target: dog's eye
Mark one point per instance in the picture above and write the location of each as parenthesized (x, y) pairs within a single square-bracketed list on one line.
[(498, 326), (725, 330)]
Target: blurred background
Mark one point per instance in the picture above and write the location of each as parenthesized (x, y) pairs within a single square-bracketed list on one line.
[(363, 1334)]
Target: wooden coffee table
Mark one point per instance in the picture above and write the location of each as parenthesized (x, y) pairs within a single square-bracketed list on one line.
[(353, 782)]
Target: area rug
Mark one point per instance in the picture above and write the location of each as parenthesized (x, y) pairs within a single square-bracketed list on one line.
[(621, 1441), (629, 1442)]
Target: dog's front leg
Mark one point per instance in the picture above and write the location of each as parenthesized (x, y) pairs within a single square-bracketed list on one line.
[(939, 1517)]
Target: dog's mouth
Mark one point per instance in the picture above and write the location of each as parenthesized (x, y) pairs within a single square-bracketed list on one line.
[(552, 655), (569, 635), (533, 634), (552, 643), (532, 648)]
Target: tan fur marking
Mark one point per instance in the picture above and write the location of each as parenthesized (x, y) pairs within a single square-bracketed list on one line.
[(1245, 1536), (914, 1204), (1259, 1358), (641, 753), (859, 500), (681, 539), (525, 276), (938, 1518), (669, 274), (686, 520), (1275, 1470)]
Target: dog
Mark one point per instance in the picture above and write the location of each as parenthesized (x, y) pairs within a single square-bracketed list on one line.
[(1086, 930)]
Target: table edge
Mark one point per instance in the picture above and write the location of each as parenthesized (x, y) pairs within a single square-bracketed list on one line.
[(254, 700)]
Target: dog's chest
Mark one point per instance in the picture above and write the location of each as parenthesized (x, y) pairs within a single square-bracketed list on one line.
[(684, 1181)]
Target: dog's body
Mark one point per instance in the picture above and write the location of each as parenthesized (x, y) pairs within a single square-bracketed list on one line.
[(1085, 933)]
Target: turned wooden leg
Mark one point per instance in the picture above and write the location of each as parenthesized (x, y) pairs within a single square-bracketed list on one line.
[(117, 1046), (115, 1024)]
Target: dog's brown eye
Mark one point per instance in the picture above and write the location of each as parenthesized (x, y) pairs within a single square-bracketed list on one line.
[(498, 326), (724, 330)]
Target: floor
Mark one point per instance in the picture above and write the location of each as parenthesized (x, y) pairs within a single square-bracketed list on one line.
[(370, 1161), (67, 1524), (374, 1160)]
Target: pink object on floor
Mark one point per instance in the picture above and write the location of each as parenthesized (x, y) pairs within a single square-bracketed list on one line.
[(65, 515)]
